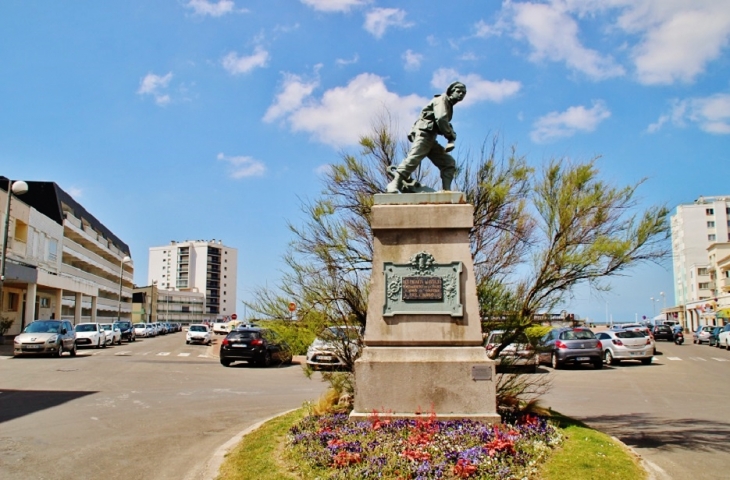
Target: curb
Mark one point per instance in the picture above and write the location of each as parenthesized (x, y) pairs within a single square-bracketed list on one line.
[(654, 471)]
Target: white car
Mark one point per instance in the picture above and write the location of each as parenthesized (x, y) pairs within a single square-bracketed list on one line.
[(113, 334), (723, 339), (142, 330), (198, 333), (626, 345), (335, 347), (520, 353), (220, 327), (90, 334)]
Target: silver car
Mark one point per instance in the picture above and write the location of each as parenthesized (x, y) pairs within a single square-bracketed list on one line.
[(519, 353), (621, 345), (571, 345), (46, 337)]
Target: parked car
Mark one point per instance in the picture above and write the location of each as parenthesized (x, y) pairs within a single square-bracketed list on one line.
[(333, 346), (571, 345), (662, 332), (518, 354), (113, 334), (254, 345), (140, 330), (714, 340), (702, 334), (90, 334), (621, 345), (723, 338), (198, 333), (46, 337), (220, 327), (127, 330)]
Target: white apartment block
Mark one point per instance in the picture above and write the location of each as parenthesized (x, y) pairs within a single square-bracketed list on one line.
[(61, 261), (695, 227), (198, 266)]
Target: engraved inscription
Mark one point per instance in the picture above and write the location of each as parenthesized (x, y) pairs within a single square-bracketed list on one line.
[(423, 288), (481, 372)]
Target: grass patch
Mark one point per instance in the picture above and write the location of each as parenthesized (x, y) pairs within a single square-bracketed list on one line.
[(585, 454), (259, 455), (588, 454)]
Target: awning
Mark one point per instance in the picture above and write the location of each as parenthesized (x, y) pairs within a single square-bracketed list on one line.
[(723, 313)]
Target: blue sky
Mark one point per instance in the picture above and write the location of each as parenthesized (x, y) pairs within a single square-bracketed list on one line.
[(203, 119)]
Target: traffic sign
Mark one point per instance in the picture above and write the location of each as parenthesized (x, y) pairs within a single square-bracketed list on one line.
[(234, 316), (292, 306)]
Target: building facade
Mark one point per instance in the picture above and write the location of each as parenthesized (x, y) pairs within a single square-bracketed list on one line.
[(61, 261), (202, 266), (700, 236), (151, 304)]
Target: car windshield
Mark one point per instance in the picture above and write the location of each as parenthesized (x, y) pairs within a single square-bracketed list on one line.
[(243, 334), (43, 327), (86, 327), (198, 328), (577, 335), (497, 338), (630, 334), (106, 326), (139, 325), (351, 333)]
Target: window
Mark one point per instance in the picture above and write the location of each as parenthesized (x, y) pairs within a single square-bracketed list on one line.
[(709, 211), (710, 224), (704, 285), (702, 271), (13, 301), (44, 302), (711, 237), (52, 250)]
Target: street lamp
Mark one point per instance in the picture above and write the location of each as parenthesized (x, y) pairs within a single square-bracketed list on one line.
[(124, 260), (653, 308), (18, 188), (664, 300)]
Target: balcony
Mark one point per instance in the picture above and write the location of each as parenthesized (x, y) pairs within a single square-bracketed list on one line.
[(725, 284)]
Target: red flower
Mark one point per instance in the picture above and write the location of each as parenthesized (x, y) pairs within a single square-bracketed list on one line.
[(345, 458), (464, 468), (416, 455), (500, 445), (336, 443)]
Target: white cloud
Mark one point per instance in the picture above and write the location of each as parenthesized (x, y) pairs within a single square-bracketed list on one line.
[(553, 35), (342, 114), (342, 62), (378, 20), (242, 167), (206, 7), (557, 125), (412, 60), (711, 114), (477, 89), (237, 65), (294, 91), (155, 86), (75, 192), (334, 5), (678, 38)]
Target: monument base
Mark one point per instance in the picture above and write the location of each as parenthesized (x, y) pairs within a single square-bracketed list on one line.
[(416, 382)]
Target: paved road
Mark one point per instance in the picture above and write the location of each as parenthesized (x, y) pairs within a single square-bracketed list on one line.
[(674, 413), (155, 409)]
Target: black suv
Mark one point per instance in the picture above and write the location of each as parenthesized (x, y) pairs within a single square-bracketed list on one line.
[(127, 330), (254, 345), (662, 332)]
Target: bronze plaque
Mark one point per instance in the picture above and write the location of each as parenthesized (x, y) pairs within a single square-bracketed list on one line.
[(423, 288)]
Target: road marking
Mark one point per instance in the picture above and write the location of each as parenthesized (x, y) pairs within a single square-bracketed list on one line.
[(674, 358), (698, 359), (183, 354), (203, 356), (163, 354), (720, 359), (126, 353)]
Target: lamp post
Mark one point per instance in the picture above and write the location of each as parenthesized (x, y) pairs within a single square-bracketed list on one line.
[(18, 188), (653, 308), (124, 260), (664, 300)]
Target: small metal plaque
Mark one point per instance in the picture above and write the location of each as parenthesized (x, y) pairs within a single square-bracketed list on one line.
[(481, 372), (423, 288)]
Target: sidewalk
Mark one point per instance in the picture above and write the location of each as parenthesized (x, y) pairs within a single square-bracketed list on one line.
[(6, 348)]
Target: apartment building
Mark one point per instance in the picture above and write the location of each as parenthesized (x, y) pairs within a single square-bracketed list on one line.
[(61, 261), (700, 231), (205, 266)]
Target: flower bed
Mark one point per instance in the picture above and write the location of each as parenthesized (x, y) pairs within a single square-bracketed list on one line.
[(334, 447)]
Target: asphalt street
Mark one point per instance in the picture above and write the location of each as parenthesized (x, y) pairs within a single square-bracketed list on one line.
[(672, 412), (156, 409)]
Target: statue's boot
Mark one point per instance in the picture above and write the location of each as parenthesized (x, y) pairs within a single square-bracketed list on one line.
[(446, 184), (396, 185)]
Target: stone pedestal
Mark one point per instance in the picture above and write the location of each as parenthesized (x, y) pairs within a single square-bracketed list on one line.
[(423, 344)]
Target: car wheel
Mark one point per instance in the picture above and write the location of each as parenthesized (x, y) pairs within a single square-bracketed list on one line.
[(554, 361), (187, 342), (73, 350), (60, 349), (225, 362), (608, 356), (98, 344), (266, 362), (134, 339), (598, 364), (646, 361)]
